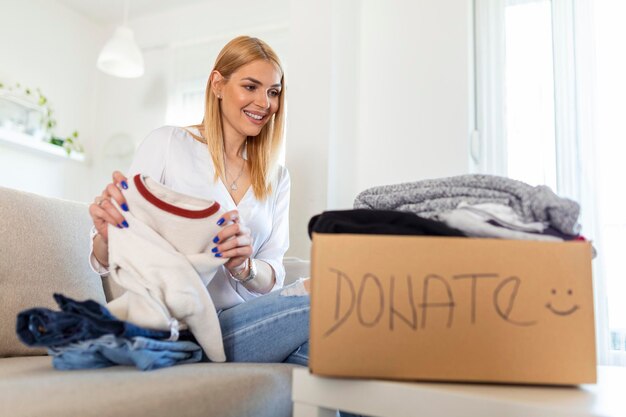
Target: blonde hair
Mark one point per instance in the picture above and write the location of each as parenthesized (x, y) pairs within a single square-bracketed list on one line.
[(262, 150)]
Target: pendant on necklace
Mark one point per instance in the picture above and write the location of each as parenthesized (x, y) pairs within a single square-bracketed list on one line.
[(233, 186)]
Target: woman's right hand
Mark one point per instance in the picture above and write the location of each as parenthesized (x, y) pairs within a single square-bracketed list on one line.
[(102, 210)]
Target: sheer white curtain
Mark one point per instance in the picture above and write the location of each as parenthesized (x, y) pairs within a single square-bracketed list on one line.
[(535, 112), (488, 150), (610, 148)]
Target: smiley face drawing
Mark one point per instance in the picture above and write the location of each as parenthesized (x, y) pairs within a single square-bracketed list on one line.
[(561, 312)]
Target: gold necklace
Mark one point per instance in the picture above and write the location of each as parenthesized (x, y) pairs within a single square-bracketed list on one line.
[(233, 185)]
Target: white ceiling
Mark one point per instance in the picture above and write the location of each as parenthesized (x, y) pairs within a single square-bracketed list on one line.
[(111, 12)]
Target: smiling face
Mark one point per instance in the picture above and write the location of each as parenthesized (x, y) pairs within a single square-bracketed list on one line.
[(249, 98), (561, 303)]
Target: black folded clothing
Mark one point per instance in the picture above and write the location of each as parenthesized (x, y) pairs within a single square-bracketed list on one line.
[(378, 222)]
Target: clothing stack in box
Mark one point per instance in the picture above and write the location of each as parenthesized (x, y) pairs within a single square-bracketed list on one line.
[(473, 205)]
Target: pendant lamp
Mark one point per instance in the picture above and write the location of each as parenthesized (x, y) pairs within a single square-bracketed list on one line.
[(121, 56)]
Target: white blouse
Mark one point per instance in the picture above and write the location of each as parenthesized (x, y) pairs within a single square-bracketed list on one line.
[(173, 157)]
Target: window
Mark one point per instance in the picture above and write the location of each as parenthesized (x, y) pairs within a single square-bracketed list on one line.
[(185, 106), (549, 110), (529, 98)]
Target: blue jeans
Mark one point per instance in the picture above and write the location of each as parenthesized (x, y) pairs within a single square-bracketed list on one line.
[(108, 350), (272, 328), (78, 321)]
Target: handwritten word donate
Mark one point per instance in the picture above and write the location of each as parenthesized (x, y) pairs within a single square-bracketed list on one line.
[(436, 293)]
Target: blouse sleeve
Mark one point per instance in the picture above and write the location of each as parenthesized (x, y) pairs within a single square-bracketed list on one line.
[(96, 266), (275, 247), (150, 159)]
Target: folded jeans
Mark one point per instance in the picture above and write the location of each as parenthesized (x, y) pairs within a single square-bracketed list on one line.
[(109, 350)]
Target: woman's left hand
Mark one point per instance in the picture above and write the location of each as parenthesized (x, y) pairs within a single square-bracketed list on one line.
[(235, 242)]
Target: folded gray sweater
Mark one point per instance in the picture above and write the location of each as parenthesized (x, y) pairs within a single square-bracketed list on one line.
[(430, 197)]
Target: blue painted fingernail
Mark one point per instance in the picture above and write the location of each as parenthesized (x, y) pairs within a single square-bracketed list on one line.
[(216, 239), (119, 226), (220, 221), (125, 223), (124, 185), (124, 207), (214, 250), (218, 255)]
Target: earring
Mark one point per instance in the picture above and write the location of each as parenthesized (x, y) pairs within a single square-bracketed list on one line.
[(219, 96)]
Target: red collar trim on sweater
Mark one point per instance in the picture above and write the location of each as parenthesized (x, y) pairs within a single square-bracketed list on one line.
[(191, 214)]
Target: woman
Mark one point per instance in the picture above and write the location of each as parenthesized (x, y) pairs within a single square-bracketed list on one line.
[(242, 130)]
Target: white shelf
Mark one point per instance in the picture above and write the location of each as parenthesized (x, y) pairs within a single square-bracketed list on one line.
[(23, 140)]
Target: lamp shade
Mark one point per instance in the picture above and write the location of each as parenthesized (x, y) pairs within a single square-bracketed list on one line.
[(121, 55)]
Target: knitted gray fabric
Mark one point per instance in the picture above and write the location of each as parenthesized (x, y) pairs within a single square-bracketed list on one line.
[(429, 197)]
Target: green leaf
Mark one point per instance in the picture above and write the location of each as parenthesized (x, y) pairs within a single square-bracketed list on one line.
[(56, 141)]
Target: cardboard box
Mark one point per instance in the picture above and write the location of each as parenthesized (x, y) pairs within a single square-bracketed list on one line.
[(452, 309)]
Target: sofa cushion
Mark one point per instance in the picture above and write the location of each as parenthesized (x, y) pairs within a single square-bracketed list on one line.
[(200, 389), (296, 268), (35, 262)]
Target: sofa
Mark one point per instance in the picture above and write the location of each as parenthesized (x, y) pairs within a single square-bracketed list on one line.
[(44, 245)]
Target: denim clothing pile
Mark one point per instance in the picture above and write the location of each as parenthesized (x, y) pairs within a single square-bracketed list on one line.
[(84, 334)]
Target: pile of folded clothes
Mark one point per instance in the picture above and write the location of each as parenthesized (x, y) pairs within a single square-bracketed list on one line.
[(482, 206), (84, 334)]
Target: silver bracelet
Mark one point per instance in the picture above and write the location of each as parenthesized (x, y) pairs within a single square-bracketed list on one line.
[(251, 272)]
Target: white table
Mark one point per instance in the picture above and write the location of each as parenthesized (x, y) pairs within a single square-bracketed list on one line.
[(316, 396)]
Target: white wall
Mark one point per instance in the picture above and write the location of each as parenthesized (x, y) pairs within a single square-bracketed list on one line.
[(345, 106), (399, 108), (308, 117), (46, 46), (413, 91)]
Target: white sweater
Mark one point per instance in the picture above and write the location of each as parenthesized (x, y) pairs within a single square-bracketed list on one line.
[(164, 261)]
